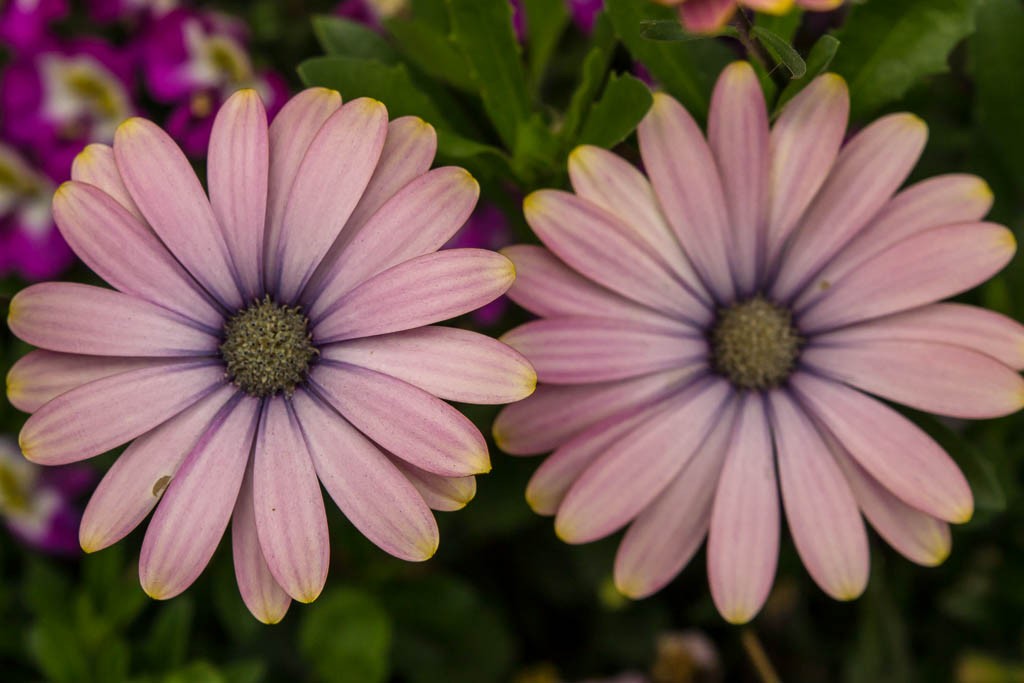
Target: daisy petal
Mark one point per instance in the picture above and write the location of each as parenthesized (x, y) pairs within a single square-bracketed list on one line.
[(932, 376), (706, 16), (453, 364), (890, 448), (192, 517), (410, 423), (922, 269), (636, 468), (666, 535), (821, 512), (74, 318), (743, 538), (96, 166), (374, 495), (444, 494), (290, 517), (587, 350), (40, 376), (265, 599), (136, 481), (237, 169), (77, 425), (167, 192), (421, 291)]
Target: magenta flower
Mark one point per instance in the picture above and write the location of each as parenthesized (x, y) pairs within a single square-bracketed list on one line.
[(108, 11), (487, 228), (253, 346), (705, 16), (30, 244), (706, 336), (370, 12), (38, 506), (23, 23)]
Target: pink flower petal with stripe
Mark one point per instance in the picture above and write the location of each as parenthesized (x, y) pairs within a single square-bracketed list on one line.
[(41, 376)]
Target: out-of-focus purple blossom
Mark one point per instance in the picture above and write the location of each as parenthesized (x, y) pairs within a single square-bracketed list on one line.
[(62, 97), (30, 244), (23, 23), (487, 228), (39, 505), (370, 12), (109, 11), (584, 13), (194, 61)]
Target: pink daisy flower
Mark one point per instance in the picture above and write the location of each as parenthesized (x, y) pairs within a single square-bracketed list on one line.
[(252, 346), (709, 338), (706, 16)]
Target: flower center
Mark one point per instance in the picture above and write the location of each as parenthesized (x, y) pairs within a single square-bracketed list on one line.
[(268, 348), (754, 344)]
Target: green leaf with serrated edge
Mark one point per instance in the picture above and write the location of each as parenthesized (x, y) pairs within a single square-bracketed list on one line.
[(482, 30), (431, 52), (889, 46), (623, 105), (687, 70), (347, 639), (668, 30), (818, 61), (545, 23), (595, 66), (995, 64), (338, 36), (780, 50)]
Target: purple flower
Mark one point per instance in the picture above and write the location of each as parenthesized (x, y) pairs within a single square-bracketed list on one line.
[(30, 244), (274, 336), (38, 505), (109, 11), (709, 339), (584, 13), (370, 12), (24, 23), (487, 228)]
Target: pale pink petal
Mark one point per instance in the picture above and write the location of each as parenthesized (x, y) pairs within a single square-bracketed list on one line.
[(136, 481), (601, 247), (685, 178), (821, 512), (290, 517), (124, 251), (804, 144), (739, 137), (108, 412), (706, 16), (191, 519), (419, 219), (975, 328), (922, 269), (265, 599), (890, 448), (408, 422), (917, 536), (290, 134), (237, 172), (614, 184), (40, 376), (74, 318), (421, 291), (870, 168), (167, 192), (96, 166), (636, 468), (374, 494), (665, 536), (453, 364), (743, 539), (932, 203), (548, 288), (328, 184), (588, 350), (444, 494), (932, 376), (556, 413)]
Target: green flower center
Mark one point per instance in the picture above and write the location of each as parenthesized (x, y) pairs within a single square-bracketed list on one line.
[(268, 348), (754, 344)]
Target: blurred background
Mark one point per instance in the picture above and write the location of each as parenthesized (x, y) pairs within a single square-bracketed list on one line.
[(503, 599)]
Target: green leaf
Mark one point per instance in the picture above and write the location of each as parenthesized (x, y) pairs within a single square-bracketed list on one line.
[(167, 644), (669, 30), (431, 52), (818, 61), (623, 105), (783, 25), (890, 46), (545, 23), (595, 66), (347, 638), (482, 30), (338, 36), (781, 51), (57, 651)]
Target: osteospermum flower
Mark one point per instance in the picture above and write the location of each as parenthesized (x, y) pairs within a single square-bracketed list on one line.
[(712, 334), (711, 15), (277, 333)]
